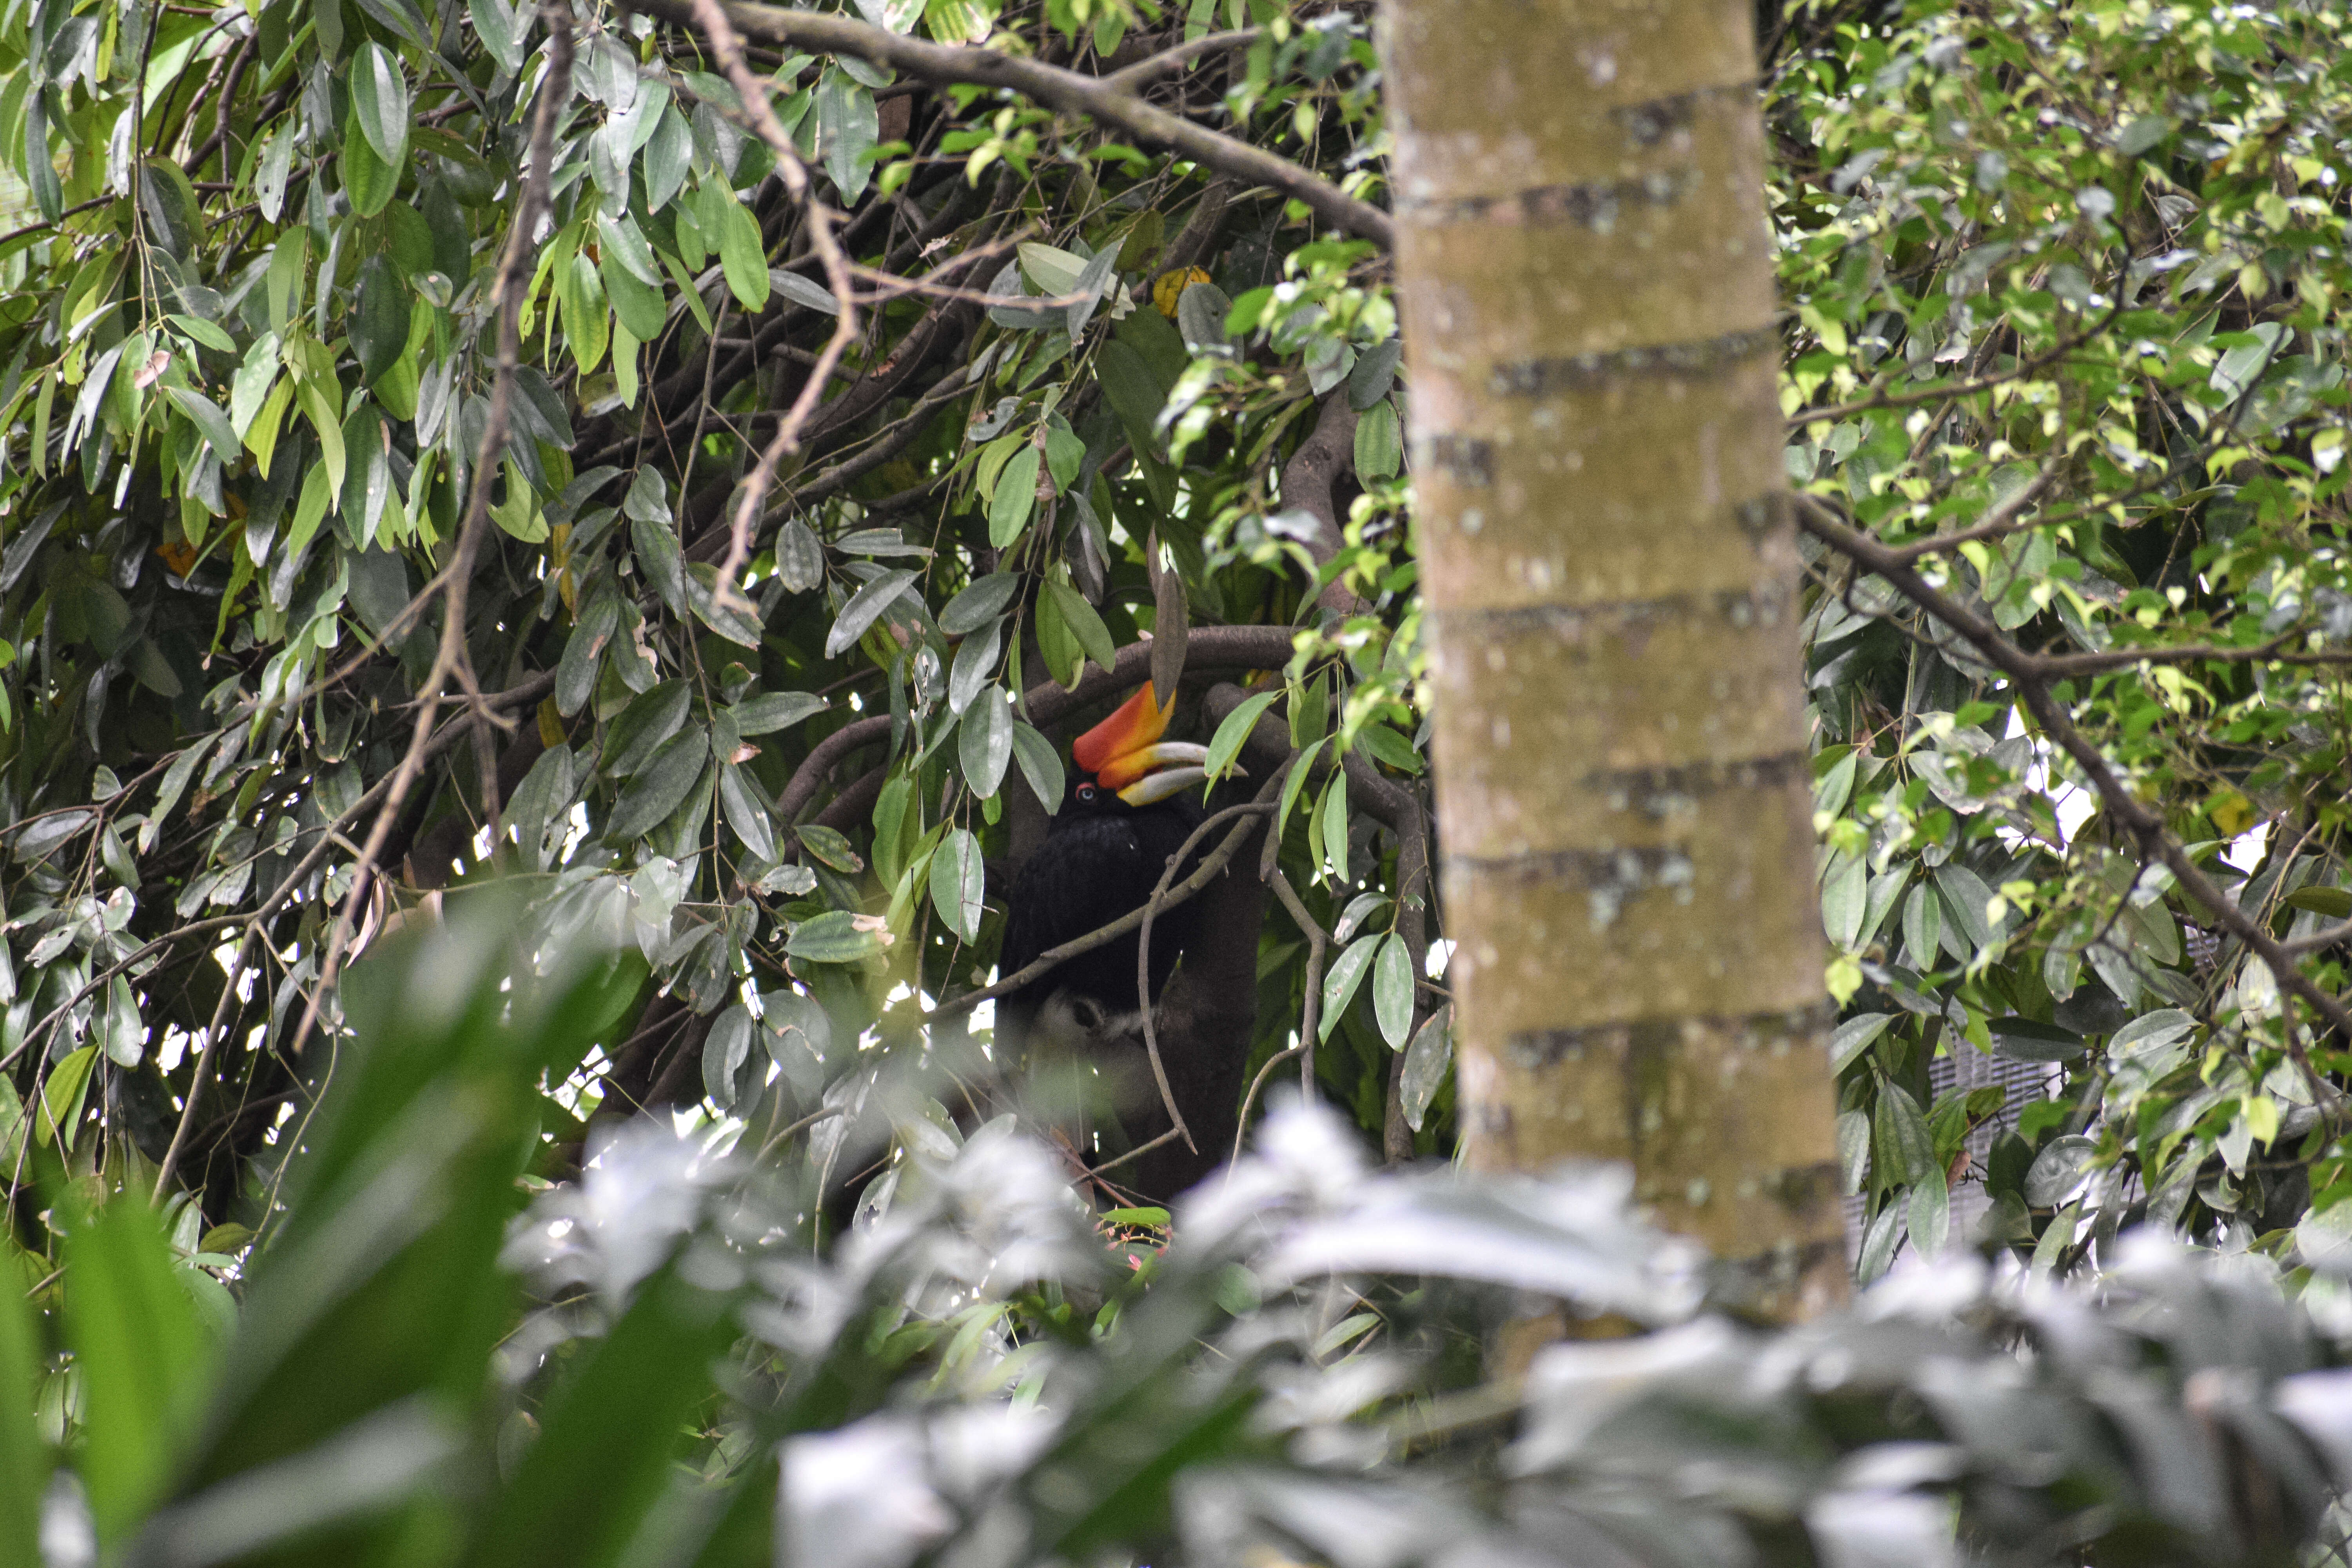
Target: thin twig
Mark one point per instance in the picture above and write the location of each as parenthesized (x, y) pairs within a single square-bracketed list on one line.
[(1143, 946), (710, 16), (506, 300), (1319, 942)]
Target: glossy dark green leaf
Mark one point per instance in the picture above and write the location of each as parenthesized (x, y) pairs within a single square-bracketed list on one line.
[(985, 743), (829, 847), (838, 937), (379, 318), (1015, 497), (380, 100), (800, 558), (1393, 990), (864, 608), (1906, 1150), (1853, 1036), (659, 786), (981, 603), (1425, 1064), (368, 180), (1340, 982), (662, 561), (975, 665), (207, 417), (773, 711), (1083, 623), (724, 1051), (959, 882), (747, 814), (1041, 765)]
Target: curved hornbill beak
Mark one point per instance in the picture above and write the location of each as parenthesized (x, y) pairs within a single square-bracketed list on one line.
[(1125, 754)]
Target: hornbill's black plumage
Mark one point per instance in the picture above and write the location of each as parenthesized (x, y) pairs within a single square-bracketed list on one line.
[(1130, 807)]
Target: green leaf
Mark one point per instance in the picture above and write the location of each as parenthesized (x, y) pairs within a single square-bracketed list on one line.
[(1843, 898), (742, 258), (1348, 971), (800, 559), (1426, 1061), (378, 323), (838, 937), (847, 125), (207, 417), (774, 711), (1393, 991), (500, 29), (829, 847), (143, 1356), (981, 603), (1906, 1150), (985, 746), (587, 320), (1234, 733), (23, 1458), (1331, 819), (668, 154), (662, 561), (659, 787), (2336, 903), (641, 307), (1017, 494), (1065, 656), (864, 608), (1041, 765), (1085, 625), (60, 1104), (724, 1051), (1853, 1036), (1380, 444), (1293, 785), (1136, 395), (1931, 1215), (1967, 898), (380, 102), (368, 180), (975, 665), (746, 813), (959, 882)]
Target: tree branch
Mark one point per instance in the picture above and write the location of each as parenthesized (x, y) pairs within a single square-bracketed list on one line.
[(1055, 88), (2138, 818)]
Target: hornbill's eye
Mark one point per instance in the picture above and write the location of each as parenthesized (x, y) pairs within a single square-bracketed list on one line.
[(1086, 792)]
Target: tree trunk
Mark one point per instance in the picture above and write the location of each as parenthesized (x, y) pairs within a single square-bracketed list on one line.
[(1585, 271)]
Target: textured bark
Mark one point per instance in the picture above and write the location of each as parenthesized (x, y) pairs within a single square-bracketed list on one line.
[(1585, 269)]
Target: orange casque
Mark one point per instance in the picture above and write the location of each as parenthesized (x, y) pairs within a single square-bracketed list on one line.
[(1125, 754)]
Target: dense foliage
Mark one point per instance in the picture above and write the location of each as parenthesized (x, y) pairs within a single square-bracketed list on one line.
[(2064, 378), (990, 1373)]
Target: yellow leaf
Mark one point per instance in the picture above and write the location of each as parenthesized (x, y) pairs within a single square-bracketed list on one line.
[(1170, 289)]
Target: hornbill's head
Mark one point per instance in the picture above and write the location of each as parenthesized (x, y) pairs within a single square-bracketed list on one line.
[(1123, 763)]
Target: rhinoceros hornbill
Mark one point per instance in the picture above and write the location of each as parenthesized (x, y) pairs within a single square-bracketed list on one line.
[(1128, 807)]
